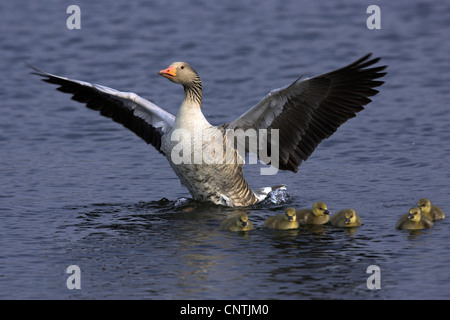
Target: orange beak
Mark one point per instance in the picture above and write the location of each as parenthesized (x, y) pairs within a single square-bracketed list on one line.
[(168, 73)]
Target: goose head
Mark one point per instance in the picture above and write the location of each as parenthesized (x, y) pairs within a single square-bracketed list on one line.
[(424, 205), (350, 216), (320, 209), (180, 72), (242, 220), (290, 214), (414, 214)]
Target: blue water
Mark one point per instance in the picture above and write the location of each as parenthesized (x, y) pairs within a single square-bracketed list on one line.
[(78, 189)]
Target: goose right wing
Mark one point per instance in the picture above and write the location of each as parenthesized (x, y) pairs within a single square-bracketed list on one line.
[(141, 116)]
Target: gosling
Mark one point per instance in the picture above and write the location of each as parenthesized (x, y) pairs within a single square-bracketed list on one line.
[(413, 221), (430, 211), (319, 214), (346, 219), (283, 221), (237, 222)]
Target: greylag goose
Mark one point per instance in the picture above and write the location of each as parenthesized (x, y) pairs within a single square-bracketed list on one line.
[(293, 119), (346, 219), (237, 222), (430, 211), (283, 221), (319, 214), (413, 221)]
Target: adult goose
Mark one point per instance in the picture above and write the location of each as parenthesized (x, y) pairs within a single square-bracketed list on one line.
[(300, 115)]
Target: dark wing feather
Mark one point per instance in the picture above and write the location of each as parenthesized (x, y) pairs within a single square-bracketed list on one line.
[(310, 110), (144, 118)]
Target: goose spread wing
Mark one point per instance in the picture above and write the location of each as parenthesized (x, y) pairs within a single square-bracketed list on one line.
[(310, 110), (141, 116)]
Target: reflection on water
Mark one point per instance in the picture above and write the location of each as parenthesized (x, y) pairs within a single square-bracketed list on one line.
[(197, 256)]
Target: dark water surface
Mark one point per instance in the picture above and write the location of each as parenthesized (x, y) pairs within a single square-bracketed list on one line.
[(78, 189)]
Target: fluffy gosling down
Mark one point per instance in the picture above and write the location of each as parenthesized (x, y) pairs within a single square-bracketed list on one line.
[(283, 221), (430, 211), (413, 220), (346, 219), (237, 222), (319, 214)]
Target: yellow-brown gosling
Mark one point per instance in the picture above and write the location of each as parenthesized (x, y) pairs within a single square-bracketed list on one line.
[(319, 214), (237, 222), (283, 221), (429, 210), (413, 221), (345, 219)]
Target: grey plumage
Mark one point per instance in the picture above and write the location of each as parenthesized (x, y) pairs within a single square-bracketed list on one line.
[(305, 113)]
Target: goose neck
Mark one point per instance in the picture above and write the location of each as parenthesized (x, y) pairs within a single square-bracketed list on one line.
[(193, 93)]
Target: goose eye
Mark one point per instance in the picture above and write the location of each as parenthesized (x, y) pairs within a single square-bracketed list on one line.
[(182, 67)]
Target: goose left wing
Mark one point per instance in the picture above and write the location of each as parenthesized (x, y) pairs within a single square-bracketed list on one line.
[(310, 110)]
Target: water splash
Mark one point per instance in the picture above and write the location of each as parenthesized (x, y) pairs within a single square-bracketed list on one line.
[(277, 196)]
